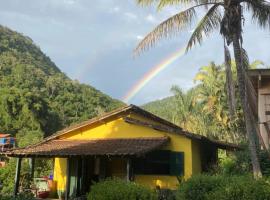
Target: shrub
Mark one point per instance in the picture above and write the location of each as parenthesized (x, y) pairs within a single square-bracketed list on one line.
[(242, 188), (22, 196), (197, 187), (265, 162), (166, 194), (237, 163), (204, 187), (115, 189)]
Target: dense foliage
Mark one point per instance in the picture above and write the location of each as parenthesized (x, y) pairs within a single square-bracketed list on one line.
[(36, 99), (204, 108), (204, 187), (119, 189), (19, 197)]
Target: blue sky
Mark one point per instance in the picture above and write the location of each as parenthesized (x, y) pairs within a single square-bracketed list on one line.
[(93, 43)]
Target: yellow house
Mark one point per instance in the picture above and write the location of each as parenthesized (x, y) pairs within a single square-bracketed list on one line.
[(128, 143)]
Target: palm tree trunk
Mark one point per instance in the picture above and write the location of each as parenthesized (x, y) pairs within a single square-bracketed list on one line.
[(245, 106), (230, 88)]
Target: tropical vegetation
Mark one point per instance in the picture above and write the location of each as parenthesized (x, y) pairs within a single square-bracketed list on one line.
[(205, 187), (198, 187), (226, 16), (203, 109), (115, 189)]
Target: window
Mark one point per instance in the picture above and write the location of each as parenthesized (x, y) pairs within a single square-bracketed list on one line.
[(161, 162)]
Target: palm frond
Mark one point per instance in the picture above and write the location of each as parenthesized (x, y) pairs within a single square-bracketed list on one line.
[(147, 2), (208, 23), (163, 3), (169, 27), (260, 10)]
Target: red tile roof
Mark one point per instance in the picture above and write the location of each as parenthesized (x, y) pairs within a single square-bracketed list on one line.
[(96, 147)]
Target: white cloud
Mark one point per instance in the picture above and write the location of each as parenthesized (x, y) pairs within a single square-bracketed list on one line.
[(139, 37), (150, 18)]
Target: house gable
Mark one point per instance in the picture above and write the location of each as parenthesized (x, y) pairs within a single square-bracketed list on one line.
[(118, 128)]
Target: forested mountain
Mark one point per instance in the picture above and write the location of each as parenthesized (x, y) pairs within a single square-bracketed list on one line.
[(36, 98), (163, 107)]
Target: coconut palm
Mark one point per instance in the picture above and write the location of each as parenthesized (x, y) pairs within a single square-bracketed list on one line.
[(184, 102), (227, 17)]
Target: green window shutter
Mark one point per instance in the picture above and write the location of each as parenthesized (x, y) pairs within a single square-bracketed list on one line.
[(177, 163)]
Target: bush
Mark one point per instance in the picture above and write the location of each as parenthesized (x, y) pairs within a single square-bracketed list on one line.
[(7, 175), (115, 189), (22, 196), (206, 187), (237, 163), (242, 188), (197, 187), (166, 194)]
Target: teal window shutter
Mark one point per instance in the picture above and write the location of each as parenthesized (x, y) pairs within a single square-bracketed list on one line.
[(177, 163)]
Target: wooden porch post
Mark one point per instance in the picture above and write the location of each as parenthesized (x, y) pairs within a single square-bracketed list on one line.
[(83, 169), (128, 169), (79, 177), (32, 167), (67, 180), (17, 176)]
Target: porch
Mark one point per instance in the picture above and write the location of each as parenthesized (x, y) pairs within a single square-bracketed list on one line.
[(79, 163)]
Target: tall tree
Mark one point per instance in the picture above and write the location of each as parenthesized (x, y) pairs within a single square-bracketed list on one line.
[(185, 105), (226, 16)]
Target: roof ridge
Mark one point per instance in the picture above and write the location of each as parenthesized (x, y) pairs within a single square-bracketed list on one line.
[(119, 111), (122, 138)]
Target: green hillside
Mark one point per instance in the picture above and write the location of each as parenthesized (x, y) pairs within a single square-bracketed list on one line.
[(36, 98), (164, 108)]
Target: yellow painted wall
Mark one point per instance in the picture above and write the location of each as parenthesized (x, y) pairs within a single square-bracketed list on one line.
[(113, 129), (196, 157), (118, 128), (60, 173), (161, 181)]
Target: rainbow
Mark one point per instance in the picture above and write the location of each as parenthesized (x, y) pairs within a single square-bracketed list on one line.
[(152, 73)]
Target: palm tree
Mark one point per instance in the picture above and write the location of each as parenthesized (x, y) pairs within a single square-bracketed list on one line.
[(210, 90), (185, 105), (188, 112), (227, 17)]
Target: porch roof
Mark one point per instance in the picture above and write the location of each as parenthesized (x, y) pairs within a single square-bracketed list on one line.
[(96, 147)]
